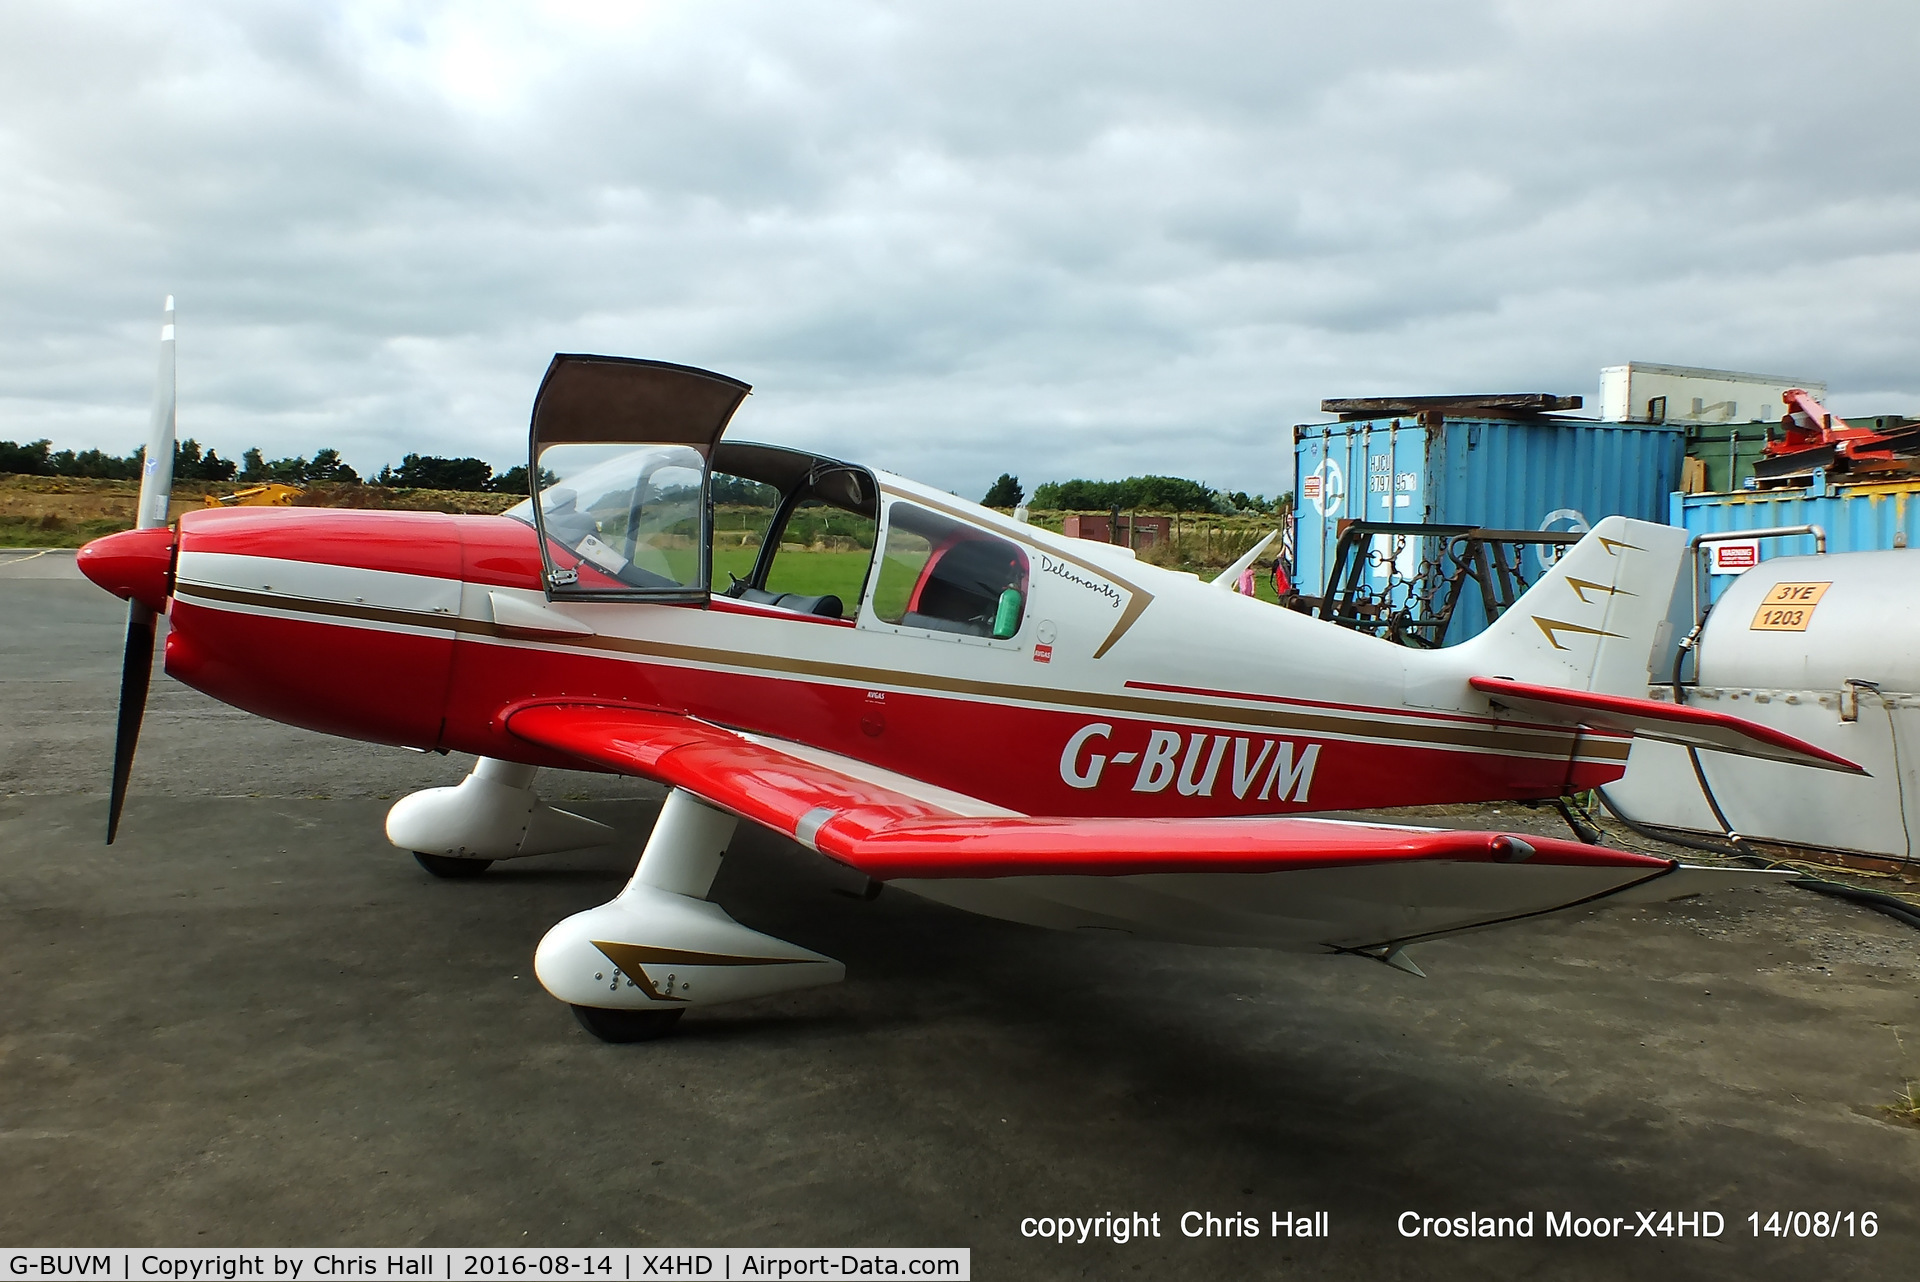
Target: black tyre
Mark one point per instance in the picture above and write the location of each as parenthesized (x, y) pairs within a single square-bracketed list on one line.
[(627, 1025), (447, 866)]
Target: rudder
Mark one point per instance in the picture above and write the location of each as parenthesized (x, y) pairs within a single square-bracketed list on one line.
[(1593, 621)]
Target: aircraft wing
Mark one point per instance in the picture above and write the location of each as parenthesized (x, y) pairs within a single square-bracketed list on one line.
[(1682, 724), (1271, 881), (889, 826)]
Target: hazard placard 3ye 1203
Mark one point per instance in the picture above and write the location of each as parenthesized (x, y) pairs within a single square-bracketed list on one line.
[(1788, 607)]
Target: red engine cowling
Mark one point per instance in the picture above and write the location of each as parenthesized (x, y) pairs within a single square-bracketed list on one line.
[(338, 621)]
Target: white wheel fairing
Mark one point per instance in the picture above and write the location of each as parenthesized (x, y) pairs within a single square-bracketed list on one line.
[(491, 814), (651, 949), (660, 945)]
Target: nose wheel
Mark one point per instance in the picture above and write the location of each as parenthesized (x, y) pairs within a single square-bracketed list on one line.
[(626, 1025), (451, 868)]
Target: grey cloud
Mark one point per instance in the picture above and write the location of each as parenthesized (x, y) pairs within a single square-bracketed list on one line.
[(951, 239)]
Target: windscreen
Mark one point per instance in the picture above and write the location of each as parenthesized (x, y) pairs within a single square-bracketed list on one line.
[(623, 517)]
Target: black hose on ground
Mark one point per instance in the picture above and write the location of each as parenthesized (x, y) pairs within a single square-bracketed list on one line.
[(1868, 898), (1899, 909), (1692, 843)]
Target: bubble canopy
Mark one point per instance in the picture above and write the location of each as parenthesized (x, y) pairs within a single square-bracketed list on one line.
[(620, 450)]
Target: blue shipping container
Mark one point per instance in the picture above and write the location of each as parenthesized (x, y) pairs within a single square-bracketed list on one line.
[(1856, 518), (1527, 473)]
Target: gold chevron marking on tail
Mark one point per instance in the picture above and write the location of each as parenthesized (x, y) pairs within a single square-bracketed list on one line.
[(1551, 626), (1611, 544), (1583, 587)]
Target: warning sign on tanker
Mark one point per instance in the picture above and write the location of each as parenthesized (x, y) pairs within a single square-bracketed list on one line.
[(1736, 556), (1788, 607)]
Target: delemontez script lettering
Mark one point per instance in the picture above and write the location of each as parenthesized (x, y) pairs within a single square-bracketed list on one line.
[(1062, 569)]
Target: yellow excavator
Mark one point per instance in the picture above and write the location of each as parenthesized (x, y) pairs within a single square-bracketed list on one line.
[(273, 494)]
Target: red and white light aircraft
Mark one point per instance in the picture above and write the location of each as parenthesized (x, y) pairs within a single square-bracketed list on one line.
[(944, 699)]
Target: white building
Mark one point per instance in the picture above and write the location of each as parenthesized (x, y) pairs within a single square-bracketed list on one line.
[(1641, 392)]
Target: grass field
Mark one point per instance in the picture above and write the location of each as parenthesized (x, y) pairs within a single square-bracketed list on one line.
[(58, 512), (802, 570), (64, 512)]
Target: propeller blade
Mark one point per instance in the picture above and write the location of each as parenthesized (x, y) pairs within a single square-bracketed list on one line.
[(156, 492), (156, 478), (136, 672)]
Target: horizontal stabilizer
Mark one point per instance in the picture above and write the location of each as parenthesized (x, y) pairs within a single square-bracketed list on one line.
[(1681, 724)]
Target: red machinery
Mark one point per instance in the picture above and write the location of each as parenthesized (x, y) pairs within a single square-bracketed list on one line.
[(1813, 437)]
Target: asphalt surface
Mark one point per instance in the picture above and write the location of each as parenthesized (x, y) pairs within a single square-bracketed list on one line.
[(253, 1022)]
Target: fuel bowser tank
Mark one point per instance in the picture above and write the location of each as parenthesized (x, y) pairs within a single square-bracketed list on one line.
[(1823, 647)]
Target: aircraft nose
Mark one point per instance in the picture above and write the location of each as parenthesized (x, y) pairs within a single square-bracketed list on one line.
[(133, 564)]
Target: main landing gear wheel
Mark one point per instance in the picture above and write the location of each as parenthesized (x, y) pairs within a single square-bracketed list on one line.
[(447, 866), (627, 1025)]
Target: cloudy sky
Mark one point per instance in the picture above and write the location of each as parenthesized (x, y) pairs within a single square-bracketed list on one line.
[(949, 239)]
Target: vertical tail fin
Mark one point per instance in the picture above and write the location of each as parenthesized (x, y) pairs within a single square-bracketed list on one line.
[(1593, 621)]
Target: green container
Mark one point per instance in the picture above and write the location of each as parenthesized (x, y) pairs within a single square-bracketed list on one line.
[(1729, 450)]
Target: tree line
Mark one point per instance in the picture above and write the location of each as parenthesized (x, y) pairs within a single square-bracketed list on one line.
[(416, 471), (431, 472), (1156, 493)]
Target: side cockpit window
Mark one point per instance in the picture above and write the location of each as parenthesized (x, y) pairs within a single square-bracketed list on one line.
[(825, 551), (947, 576), (744, 511), (812, 551)]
